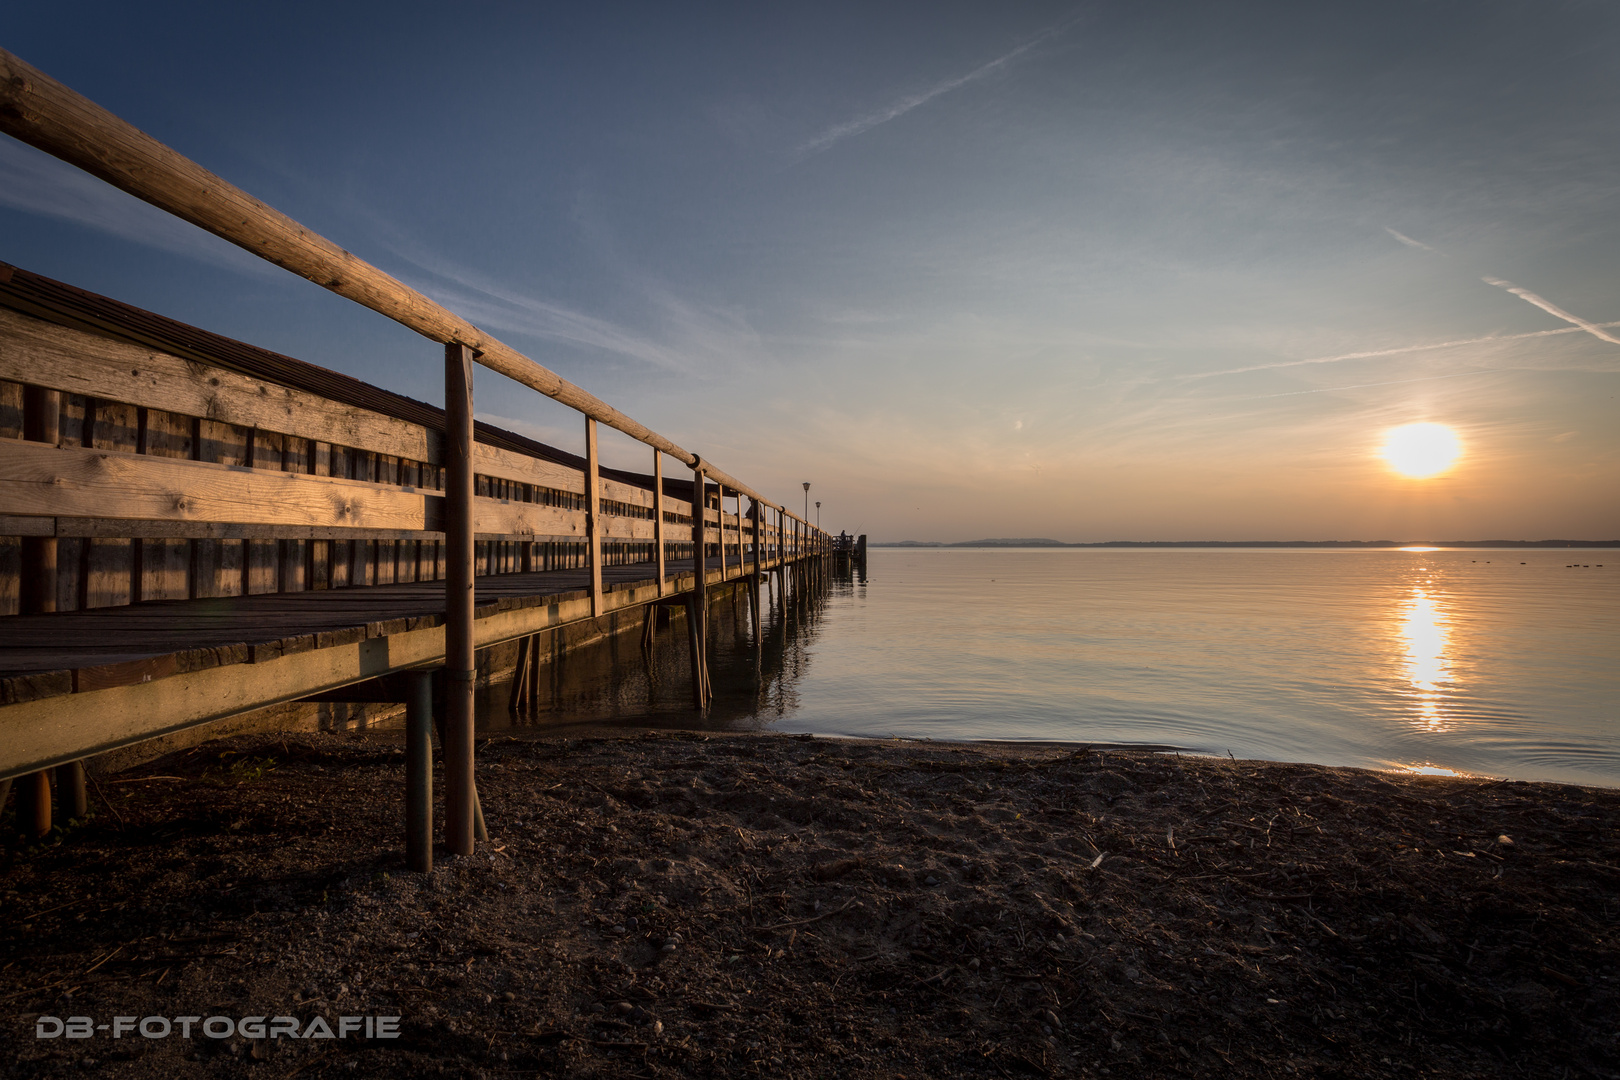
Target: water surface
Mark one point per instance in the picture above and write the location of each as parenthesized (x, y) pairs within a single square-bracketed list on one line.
[(1503, 663)]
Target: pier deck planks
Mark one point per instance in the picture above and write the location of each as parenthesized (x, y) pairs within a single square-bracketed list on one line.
[(93, 641)]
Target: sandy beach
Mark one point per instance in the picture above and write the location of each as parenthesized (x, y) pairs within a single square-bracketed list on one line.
[(672, 904)]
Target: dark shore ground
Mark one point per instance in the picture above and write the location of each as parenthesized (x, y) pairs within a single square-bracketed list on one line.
[(668, 905)]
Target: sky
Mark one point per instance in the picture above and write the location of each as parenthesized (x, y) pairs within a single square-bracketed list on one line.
[(1111, 271)]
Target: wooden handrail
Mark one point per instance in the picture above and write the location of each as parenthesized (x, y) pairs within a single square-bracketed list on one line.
[(44, 113)]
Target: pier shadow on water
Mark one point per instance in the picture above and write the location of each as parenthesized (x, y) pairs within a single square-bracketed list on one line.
[(616, 682)]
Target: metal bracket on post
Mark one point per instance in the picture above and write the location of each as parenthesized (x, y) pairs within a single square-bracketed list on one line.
[(459, 599)]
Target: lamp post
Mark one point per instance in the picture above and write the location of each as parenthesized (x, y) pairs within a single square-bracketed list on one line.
[(807, 498), (818, 513)]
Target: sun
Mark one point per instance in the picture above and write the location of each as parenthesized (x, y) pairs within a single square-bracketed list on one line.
[(1421, 450)]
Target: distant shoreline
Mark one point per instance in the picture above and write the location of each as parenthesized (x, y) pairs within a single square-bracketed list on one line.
[(1393, 544)]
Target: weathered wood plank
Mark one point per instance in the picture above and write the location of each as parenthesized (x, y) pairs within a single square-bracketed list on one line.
[(44, 354), (74, 482)]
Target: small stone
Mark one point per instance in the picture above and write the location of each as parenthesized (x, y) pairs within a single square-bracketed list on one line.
[(632, 922), (931, 880), (623, 1007), (1050, 1019), (973, 964), (616, 931), (488, 999), (657, 1027), (667, 947), (1505, 840), (509, 996)]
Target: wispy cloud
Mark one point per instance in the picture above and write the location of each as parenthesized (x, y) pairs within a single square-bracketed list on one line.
[(1409, 242), (839, 132), (1595, 329), (1400, 350), (35, 183), (689, 337), (1363, 386)]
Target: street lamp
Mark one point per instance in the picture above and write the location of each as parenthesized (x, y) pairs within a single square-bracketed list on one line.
[(807, 498), (818, 513)]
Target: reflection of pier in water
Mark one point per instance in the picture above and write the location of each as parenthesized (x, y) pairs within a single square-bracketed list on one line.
[(637, 679)]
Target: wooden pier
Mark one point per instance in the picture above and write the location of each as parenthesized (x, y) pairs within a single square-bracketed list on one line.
[(193, 528)]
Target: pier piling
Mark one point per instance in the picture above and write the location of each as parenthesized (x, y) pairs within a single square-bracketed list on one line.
[(419, 771), (459, 664)]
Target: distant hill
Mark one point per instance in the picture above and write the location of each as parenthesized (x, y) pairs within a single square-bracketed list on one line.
[(1013, 542), (1046, 543)]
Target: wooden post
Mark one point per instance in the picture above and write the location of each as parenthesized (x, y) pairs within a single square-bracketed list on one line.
[(649, 625), (753, 600), (720, 508), (34, 805), (459, 599), (593, 515), (419, 771), (71, 798), (42, 419), (697, 612), (658, 517), (517, 698)]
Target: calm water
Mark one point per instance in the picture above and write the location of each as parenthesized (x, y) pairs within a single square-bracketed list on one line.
[(1505, 663)]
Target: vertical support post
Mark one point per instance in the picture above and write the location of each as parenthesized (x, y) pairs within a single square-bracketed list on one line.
[(593, 515), (34, 805), (753, 602), (720, 507), (459, 599), (753, 530), (658, 517), (698, 612), (42, 422), (419, 771), (71, 798)]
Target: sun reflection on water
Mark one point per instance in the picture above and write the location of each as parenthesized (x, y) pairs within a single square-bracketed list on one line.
[(1424, 636)]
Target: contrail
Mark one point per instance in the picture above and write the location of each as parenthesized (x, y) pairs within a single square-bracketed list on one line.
[(1553, 309), (882, 116), (1390, 352), (1361, 386), (1409, 242)]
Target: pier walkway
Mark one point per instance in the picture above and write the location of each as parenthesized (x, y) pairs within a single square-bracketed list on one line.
[(193, 528)]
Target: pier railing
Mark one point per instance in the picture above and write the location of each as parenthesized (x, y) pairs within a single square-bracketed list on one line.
[(46, 479)]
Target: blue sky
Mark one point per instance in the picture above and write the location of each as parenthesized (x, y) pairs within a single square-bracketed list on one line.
[(1106, 271)]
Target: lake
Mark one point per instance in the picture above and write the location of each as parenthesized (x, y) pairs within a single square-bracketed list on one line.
[(1493, 662)]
